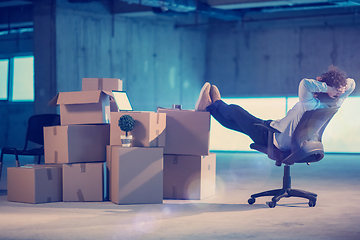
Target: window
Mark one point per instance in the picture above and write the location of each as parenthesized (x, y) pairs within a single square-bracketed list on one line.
[(234, 141), (4, 69), (17, 79), (23, 80), (339, 137)]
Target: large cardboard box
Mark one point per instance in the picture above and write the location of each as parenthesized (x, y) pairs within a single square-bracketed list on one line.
[(187, 132), (136, 175), (149, 129), (189, 177), (76, 143), (83, 182), (83, 107), (35, 183), (107, 84)]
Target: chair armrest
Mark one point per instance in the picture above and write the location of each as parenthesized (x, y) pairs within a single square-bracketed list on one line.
[(270, 147)]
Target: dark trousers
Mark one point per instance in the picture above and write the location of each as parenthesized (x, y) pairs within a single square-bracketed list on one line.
[(236, 118)]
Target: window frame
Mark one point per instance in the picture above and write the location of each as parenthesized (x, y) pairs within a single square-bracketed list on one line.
[(10, 80), (7, 85)]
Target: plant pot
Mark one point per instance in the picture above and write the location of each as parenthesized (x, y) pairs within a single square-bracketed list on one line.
[(126, 140)]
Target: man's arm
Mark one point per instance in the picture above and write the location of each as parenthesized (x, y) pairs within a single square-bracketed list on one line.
[(350, 87), (307, 88)]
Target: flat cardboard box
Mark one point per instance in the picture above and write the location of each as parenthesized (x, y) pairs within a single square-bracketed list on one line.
[(35, 183), (187, 132), (76, 143), (83, 107), (107, 172), (83, 182), (189, 177), (149, 129), (106, 84), (136, 175)]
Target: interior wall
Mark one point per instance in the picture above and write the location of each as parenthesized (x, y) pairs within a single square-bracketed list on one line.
[(271, 61), (159, 64)]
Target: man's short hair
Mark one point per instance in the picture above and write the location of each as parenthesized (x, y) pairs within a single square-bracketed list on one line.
[(334, 77)]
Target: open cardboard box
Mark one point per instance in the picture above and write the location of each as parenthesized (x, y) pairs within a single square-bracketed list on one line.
[(83, 107)]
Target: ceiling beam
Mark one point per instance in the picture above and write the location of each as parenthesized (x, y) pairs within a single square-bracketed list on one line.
[(245, 4), (11, 3)]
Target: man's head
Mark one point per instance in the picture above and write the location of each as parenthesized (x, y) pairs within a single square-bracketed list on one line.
[(336, 79)]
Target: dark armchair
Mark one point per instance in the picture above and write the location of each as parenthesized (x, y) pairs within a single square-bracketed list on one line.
[(306, 147), (35, 134)]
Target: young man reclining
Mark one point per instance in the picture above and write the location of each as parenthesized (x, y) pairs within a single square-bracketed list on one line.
[(329, 90)]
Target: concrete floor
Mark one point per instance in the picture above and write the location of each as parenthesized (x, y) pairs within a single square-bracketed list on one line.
[(336, 180)]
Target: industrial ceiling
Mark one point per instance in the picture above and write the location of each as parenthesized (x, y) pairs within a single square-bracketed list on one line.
[(17, 13)]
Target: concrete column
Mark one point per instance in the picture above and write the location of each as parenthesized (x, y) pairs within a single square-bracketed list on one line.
[(44, 54)]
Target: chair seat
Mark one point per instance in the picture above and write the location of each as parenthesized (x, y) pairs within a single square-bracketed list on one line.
[(277, 154)]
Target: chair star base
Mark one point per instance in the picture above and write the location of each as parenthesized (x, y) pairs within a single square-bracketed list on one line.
[(286, 191), (281, 193)]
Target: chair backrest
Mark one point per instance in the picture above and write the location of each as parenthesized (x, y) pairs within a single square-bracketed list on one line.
[(311, 126), (35, 125), (306, 145)]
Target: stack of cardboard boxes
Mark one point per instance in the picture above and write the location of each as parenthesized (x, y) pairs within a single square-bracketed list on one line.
[(136, 172), (168, 158), (74, 152), (189, 168)]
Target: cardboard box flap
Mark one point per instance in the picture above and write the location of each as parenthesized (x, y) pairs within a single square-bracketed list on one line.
[(78, 97), (53, 102)]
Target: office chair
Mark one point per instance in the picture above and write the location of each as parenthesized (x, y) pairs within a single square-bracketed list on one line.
[(35, 134), (306, 147)]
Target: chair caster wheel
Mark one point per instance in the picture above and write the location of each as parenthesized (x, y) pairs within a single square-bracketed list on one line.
[(312, 203), (271, 204), (251, 201)]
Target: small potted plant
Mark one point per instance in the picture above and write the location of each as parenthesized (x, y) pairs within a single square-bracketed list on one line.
[(126, 124)]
